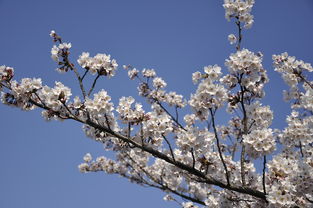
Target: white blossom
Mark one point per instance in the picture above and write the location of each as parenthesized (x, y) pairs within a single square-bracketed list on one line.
[(232, 39)]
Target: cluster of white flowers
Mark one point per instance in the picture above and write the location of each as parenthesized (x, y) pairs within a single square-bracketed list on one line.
[(280, 170), (100, 164), (200, 141), (190, 119), (6, 73), (244, 62), (54, 98), (259, 117), (232, 39), (59, 51), (259, 142), (246, 68), (189, 205), (127, 113), (99, 64), (291, 180), (100, 103), (149, 73), (157, 124), (173, 99), (157, 93), (298, 130), (239, 9), (208, 95), (22, 92), (133, 73), (294, 72), (158, 83), (289, 67), (26, 86)]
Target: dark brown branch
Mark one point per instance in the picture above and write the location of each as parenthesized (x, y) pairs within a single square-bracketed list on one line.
[(245, 131), (219, 147), (170, 146), (172, 117), (193, 158), (164, 187), (189, 169), (238, 47), (86, 71), (300, 147), (93, 84), (263, 179), (204, 178)]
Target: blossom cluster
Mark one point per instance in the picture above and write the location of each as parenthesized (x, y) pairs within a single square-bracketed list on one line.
[(239, 9), (6, 73), (209, 94), (157, 93), (299, 130), (101, 64), (259, 142), (127, 113), (259, 117), (21, 93), (291, 180), (294, 72)]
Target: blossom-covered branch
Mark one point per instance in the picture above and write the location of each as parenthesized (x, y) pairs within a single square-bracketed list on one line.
[(192, 157)]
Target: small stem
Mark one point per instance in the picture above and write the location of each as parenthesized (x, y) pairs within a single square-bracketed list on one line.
[(218, 146), (107, 121), (301, 151), (168, 113), (78, 77), (193, 158), (84, 74), (93, 84), (238, 47), (245, 131), (263, 179), (176, 111), (128, 130), (169, 145)]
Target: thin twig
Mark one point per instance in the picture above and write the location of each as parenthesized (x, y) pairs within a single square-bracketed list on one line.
[(128, 130), (238, 23), (218, 146), (86, 71), (301, 151), (170, 146), (193, 158), (93, 84), (172, 117), (245, 131), (176, 111), (263, 179)]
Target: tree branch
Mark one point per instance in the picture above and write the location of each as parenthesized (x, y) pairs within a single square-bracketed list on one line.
[(219, 147)]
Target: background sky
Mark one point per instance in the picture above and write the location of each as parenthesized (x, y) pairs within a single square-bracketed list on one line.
[(175, 37)]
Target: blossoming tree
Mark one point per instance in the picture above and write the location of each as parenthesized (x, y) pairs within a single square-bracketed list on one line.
[(195, 161)]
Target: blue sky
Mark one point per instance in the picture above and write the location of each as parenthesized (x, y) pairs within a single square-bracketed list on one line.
[(175, 37)]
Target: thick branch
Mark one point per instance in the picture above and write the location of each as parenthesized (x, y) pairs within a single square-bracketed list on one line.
[(189, 169), (205, 179)]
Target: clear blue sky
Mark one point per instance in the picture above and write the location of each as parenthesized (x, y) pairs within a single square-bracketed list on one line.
[(176, 37)]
